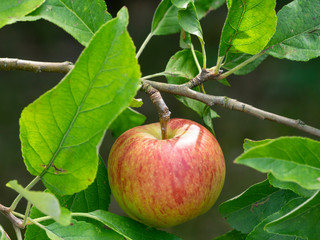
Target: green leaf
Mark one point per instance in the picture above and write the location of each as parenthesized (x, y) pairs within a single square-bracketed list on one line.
[(189, 21), (129, 228), (232, 235), (259, 232), (181, 3), (248, 144), (128, 119), (289, 159), (302, 221), (80, 230), (47, 203), (62, 130), (290, 186), (81, 19), (165, 19), (249, 26), (225, 82), (96, 196), (205, 6), (185, 40), (13, 11), (255, 204), (207, 116), (234, 59), (136, 103), (3, 234), (180, 69), (298, 41)]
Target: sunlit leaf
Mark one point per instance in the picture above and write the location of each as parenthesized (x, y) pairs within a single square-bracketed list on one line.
[(12, 11), (62, 130), (81, 19), (249, 26), (46, 202), (255, 204), (289, 159), (129, 228), (298, 41)]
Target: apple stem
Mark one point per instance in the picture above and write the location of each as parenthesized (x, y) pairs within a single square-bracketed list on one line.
[(163, 110)]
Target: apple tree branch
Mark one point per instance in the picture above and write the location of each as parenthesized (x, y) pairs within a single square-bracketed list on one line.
[(182, 90)]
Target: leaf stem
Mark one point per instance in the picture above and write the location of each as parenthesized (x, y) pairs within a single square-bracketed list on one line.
[(195, 58), (19, 197), (160, 74), (218, 66), (18, 232), (144, 44), (241, 65), (25, 219), (204, 56)]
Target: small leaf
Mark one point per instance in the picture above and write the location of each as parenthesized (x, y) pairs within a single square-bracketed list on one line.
[(232, 235), (12, 11), (96, 196), (129, 228), (208, 115), (255, 204), (62, 130), (136, 103), (224, 82), (205, 6), (3, 234), (128, 119), (290, 186), (302, 221), (80, 230), (249, 26), (189, 21), (259, 232), (165, 19), (298, 41), (180, 69), (185, 40), (180, 3), (248, 144), (47, 203), (289, 159), (81, 19), (234, 59)]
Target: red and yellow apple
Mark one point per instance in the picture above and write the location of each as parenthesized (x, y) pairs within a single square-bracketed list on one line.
[(163, 183)]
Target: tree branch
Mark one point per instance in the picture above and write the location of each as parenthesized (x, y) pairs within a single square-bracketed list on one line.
[(13, 219), (163, 110), (8, 64), (182, 90), (232, 104)]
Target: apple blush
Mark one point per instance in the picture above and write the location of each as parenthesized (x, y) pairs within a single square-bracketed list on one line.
[(163, 183)]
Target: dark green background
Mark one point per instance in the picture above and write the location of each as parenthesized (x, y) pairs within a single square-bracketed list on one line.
[(280, 86)]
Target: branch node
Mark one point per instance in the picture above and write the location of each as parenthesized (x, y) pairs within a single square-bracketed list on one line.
[(13, 219)]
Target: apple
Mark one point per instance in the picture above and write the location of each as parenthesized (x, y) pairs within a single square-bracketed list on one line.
[(163, 183)]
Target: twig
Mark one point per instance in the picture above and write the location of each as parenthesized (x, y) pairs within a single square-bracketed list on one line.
[(232, 104), (185, 90), (163, 110), (8, 64), (13, 219)]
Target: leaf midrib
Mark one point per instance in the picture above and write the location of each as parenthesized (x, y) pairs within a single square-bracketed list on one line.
[(76, 115)]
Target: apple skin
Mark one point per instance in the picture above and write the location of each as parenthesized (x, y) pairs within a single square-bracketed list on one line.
[(163, 183)]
